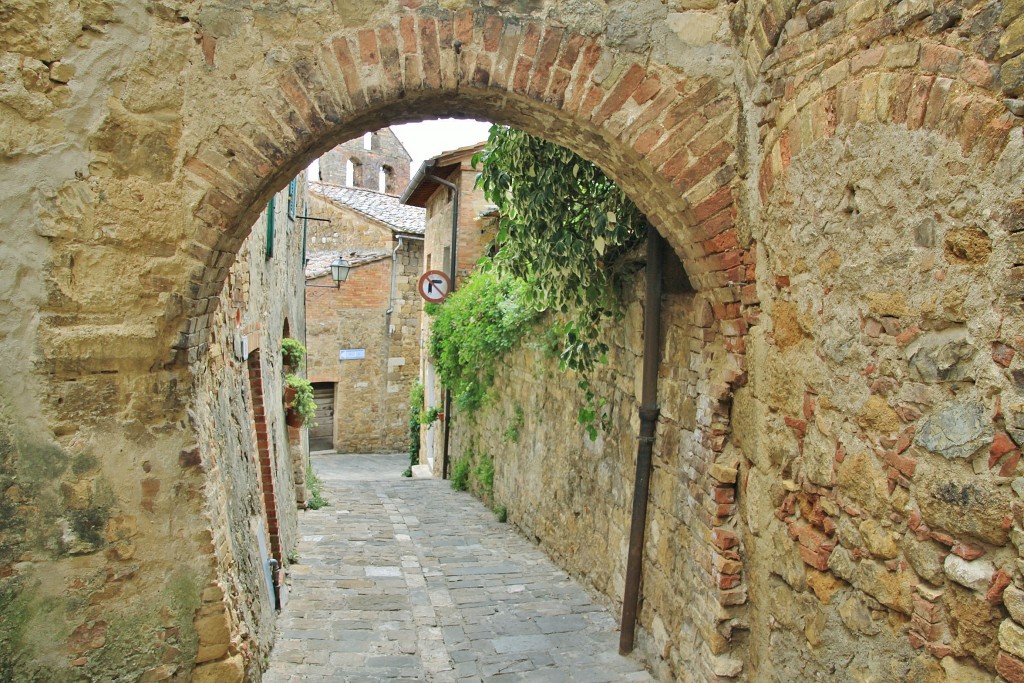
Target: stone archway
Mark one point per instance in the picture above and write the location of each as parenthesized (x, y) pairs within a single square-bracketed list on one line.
[(143, 140)]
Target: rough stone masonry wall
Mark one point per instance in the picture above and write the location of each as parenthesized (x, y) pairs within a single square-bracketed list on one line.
[(387, 150), (253, 462), (573, 496), (878, 435), (403, 343), (348, 229), (139, 142)]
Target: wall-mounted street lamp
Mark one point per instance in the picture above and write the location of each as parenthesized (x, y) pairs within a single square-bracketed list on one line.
[(339, 273)]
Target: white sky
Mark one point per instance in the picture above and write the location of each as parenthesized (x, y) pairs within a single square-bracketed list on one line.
[(427, 139)]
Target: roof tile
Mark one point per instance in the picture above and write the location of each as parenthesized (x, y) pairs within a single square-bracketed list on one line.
[(380, 207)]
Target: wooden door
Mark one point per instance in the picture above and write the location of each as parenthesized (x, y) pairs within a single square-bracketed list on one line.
[(321, 437)]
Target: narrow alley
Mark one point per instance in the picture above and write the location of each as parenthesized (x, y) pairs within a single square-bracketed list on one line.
[(406, 579)]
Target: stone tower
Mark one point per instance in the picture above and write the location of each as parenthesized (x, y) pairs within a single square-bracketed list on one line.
[(375, 161)]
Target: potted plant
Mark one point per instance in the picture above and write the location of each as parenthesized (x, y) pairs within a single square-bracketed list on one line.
[(302, 408), (293, 353)]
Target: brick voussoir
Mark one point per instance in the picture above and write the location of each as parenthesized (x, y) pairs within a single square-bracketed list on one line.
[(349, 72), (505, 58), (430, 53), (580, 85), (619, 93), (319, 95), (545, 60)]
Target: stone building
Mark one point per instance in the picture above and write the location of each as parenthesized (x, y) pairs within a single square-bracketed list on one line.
[(374, 161), (473, 234), (363, 336), (840, 452), (252, 462)]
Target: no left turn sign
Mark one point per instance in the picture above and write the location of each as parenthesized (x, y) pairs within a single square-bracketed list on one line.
[(435, 286)]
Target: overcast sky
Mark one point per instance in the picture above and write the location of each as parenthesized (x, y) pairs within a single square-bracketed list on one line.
[(427, 139)]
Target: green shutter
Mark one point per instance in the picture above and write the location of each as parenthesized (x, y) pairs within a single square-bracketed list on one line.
[(270, 228), (293, 193)]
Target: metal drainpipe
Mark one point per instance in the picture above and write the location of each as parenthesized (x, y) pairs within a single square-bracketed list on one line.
[(648, 420), (455, 260), (394, 278)]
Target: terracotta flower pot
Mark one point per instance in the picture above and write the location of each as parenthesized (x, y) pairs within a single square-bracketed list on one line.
[(294, 419), (289, 394)]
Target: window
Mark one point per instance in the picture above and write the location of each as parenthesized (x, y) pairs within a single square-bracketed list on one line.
[(368, 142), (293, 192), (384, 178), (447, 260), (271, 207), (353, 173)]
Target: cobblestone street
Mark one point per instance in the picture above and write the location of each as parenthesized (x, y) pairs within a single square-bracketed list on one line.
[(405, 579)]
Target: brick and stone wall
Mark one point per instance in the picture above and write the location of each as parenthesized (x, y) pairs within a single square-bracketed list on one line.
[(574, 496), (253, 462), (371, 394), (840, 180)]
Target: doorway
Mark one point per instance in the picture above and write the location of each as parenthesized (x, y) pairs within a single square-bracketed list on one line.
[(321, 437)]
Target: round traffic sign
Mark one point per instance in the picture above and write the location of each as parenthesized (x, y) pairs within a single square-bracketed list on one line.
[(435, 286)]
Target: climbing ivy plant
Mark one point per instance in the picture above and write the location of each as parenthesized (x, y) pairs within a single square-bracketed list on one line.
[(566, 231), (566, 238), (483, 319)]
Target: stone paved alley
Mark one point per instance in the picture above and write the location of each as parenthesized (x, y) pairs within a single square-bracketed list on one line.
[(406, 579)]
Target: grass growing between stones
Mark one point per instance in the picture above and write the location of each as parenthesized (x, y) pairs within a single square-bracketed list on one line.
[(315, 488)]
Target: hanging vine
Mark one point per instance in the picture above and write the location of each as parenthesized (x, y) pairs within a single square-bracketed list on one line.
[(567, 231), (565, 239)]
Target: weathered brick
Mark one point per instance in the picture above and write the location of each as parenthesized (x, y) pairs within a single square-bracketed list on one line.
[(1010, 668)]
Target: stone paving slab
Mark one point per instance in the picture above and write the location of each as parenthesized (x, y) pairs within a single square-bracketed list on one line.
[(406, 580)]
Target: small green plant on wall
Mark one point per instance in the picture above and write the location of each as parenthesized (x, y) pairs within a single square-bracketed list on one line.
[(483, 474), (315, 487), (460, 474), (293, 352), (511, 434), (415, 407), (302, 406)]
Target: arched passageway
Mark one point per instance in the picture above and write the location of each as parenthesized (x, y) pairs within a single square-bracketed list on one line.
[(144, 140)]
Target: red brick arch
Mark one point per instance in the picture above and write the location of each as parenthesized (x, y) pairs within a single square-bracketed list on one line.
[(669, 140)]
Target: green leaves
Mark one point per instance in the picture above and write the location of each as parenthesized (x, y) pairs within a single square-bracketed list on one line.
[(564, 230), (474, 326)]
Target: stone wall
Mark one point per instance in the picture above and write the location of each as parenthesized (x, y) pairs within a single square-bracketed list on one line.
[(403, 344), (884, 398), (371, 394), (348, 230), (574, 496), (254, 464), (140, 141), (386, 151)]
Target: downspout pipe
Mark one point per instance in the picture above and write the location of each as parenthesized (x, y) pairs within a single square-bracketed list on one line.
[(455, 259), (645, 446)]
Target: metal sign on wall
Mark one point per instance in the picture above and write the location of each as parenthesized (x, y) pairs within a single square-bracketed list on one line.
[(351, 354), (435, 286)]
